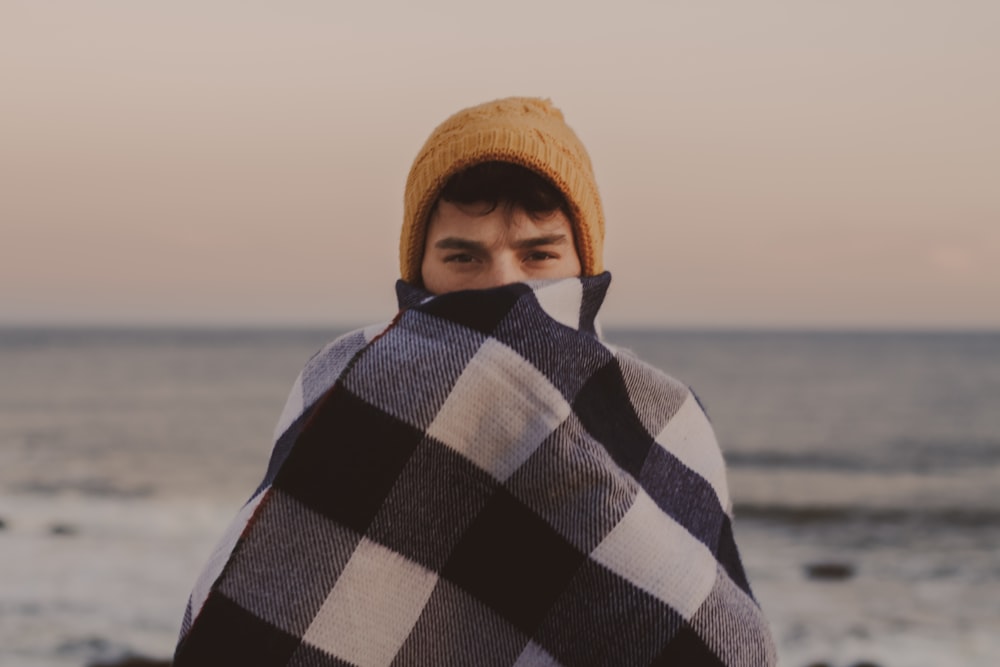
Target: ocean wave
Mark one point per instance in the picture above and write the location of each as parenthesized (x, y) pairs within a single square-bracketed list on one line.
[(91, 487), (968, 517), (902, 455)]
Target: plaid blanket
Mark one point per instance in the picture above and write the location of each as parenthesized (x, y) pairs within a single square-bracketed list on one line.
[(483, 481)]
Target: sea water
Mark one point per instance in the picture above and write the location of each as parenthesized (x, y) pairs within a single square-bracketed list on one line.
[(865, 468)]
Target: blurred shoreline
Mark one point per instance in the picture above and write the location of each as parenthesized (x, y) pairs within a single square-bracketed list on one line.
[(864, 471)]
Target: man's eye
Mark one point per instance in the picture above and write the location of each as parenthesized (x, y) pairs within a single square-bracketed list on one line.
[(540, 256), (460, 258)]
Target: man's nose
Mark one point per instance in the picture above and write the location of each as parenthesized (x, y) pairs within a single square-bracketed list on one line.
[(504, 271)]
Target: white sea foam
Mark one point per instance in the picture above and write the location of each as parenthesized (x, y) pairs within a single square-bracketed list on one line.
[(85, 578)]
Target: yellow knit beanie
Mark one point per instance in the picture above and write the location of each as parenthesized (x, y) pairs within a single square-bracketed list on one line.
[(522, 130)]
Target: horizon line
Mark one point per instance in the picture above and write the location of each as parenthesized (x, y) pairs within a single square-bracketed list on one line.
[(642, 327)]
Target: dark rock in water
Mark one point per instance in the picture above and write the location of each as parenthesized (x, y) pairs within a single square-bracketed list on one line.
[(131, 661), (3, 524), (62, 529), (829, 571), (864, 664)]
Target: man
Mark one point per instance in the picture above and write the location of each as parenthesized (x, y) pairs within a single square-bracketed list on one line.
[(483, 480)]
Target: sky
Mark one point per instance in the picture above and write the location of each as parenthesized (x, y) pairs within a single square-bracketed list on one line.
[(774, 164)]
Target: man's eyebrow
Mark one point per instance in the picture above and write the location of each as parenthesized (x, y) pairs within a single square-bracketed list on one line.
[(457, 243), (538, 241)]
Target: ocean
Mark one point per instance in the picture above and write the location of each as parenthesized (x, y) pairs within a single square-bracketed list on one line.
[(864, 467)]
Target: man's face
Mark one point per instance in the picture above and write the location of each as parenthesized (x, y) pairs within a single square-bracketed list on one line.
[(465, 250)]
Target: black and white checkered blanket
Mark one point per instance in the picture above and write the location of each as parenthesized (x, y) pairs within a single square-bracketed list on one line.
[(483, 481)]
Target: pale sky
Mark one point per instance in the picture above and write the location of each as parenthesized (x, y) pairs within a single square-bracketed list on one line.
[(762, 164)]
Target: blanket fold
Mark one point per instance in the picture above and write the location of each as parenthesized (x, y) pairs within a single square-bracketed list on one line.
[(483, 481)]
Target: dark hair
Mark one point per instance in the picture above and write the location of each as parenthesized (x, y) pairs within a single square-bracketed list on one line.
[(493, 183)]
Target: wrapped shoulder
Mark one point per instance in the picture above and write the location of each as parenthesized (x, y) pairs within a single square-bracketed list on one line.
[(322, 370), (671, 413)]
